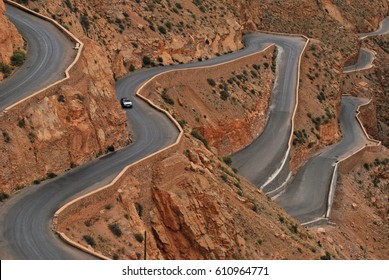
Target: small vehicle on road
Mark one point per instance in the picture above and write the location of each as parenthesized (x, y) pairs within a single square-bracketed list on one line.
[(126, 103)]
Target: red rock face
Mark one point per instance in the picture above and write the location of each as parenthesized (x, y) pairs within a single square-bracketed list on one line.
[(64, 126), (10, 39)]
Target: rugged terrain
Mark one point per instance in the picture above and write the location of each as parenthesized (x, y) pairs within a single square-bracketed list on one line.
[(203, 99), (208, 211), (10, 41), (65, 126), (191, 206), (142, 33), (361, 206)]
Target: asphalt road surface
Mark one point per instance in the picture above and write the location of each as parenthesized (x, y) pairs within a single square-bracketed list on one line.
[(25, 220), (365, 61), (260, 160), (49, 53), (306, 198), (383, 29)]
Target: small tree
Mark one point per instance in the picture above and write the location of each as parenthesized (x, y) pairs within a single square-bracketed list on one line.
[(115, 229), (18, 58), (146, 60)]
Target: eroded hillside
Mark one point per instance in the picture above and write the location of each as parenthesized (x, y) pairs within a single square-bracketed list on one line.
[(63, 127), (190, 203), (10, 41)]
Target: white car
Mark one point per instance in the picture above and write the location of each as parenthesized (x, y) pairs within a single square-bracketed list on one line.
[(126, 103)]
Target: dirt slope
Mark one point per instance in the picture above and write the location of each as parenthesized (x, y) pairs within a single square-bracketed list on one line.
[(10, 41)]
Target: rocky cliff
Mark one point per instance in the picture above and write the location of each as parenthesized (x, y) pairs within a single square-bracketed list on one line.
[(191, 206), (64, 126), (142, 33), (10, 40)]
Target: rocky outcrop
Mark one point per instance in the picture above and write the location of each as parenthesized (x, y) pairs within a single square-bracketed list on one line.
[(203, 99), (164, 32), (10, 39), (64, 126), (191, 206)]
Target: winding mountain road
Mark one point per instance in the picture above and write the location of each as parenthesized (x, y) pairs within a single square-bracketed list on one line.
[(25, 220), (306, 198), (49, 53)]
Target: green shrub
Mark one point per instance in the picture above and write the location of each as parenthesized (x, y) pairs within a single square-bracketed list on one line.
[(139, 209), (224, 95), (51, 175), (61, 98), (182, 123), (7, 138), (3, 196), (110, 148), (5, 69), (89, 239), (293, 229), (327, 256), (84, 20), (162, 29), (227, 160), (115, 229), (167, 98), (198, 136), (18, 58), (146, 60), (132, 68), (211, 82), (21, 123), (139, 237)]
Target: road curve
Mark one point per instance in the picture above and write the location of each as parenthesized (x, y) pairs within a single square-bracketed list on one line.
[(261, 159), (25, 220), (382, 29), (306, 198), (364, 61), (50, 52)]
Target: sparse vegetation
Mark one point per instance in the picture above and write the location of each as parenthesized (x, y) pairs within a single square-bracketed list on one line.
[(227, 160), (182, 123), (7, 138), (139, 209), (84, 20), (211, 82), (51, 175), (61, 98), (162, 29), (198, 136), (5, 69), (146, 60), (167, 98), (18, 58), (21, 123), (139, 237), (90, 240), (327, 256), (115, 229), (3, 196), (110, 149), (108, 206)]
